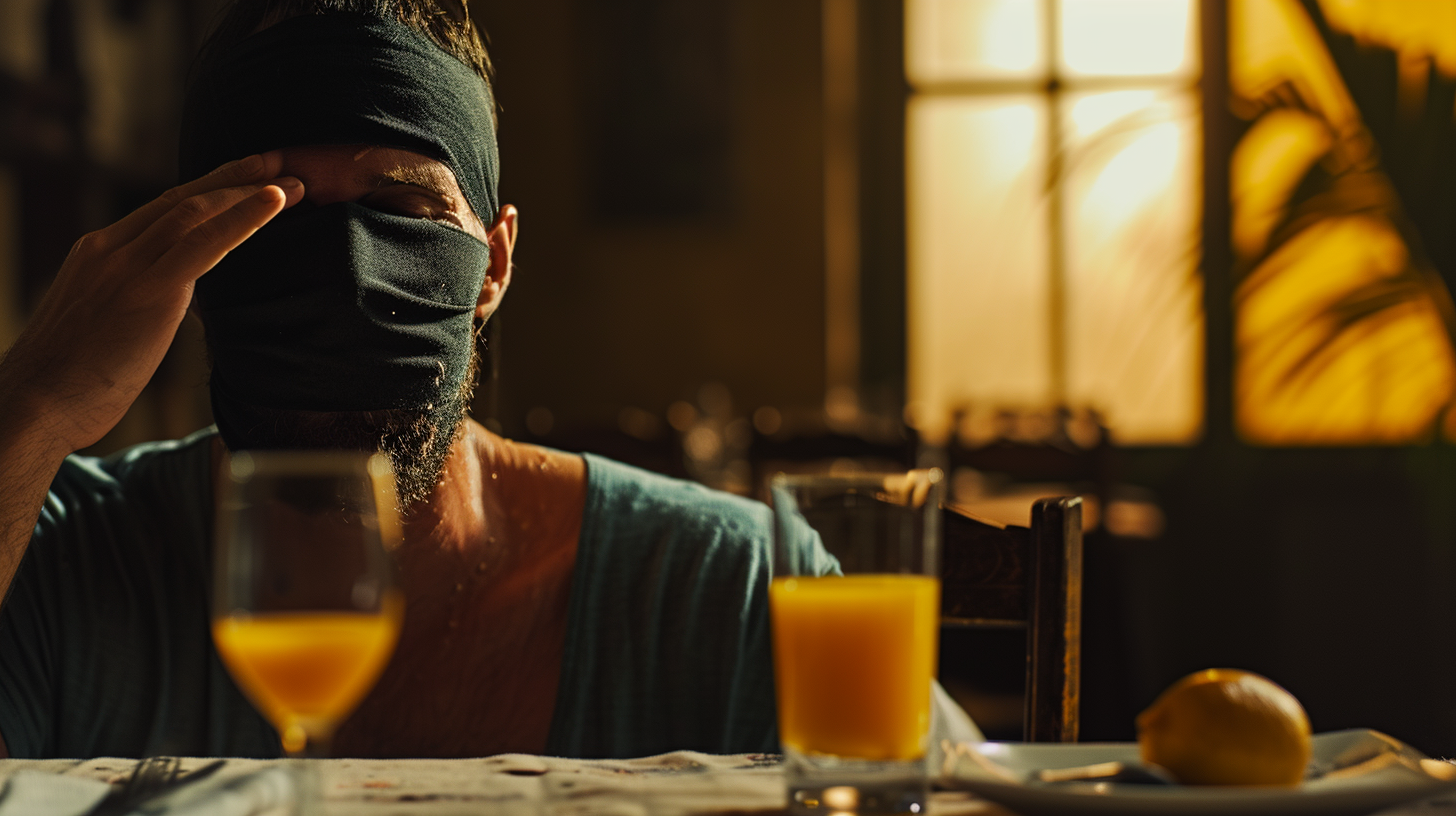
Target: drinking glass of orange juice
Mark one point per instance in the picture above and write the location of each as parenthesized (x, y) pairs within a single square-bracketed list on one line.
[(855, 619), (305, 608)]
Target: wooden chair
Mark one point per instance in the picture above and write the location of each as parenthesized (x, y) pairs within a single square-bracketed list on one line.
[(997, 576), (1054, 461)]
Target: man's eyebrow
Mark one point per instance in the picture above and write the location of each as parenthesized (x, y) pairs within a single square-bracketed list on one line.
[(417, 177)]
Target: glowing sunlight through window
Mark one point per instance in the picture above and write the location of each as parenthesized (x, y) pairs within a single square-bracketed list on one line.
[(1053, 160)]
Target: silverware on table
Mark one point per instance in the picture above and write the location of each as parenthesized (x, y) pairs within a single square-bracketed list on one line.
[(150, 778)]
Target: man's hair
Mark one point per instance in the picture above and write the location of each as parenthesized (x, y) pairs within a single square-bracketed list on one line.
[(446, 22)]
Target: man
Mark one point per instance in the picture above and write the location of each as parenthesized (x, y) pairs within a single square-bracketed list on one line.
[(342, 257)]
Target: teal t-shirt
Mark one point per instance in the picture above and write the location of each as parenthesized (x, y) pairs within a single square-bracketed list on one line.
[(105, 647)]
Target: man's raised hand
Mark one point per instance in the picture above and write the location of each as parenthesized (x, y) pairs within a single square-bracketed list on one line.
[(103, 327)]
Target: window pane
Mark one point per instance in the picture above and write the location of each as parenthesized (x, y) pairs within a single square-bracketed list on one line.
[(973, 39), (977, 254), (1134, 296), (1129, 37)]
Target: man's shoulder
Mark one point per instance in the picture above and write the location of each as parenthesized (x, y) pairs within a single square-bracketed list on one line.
[(148, 456), (176, 472), (114, 585), (668, 630), (143, 458), (623, 496)]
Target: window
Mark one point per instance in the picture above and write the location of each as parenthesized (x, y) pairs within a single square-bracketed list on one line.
[(1052, 196)]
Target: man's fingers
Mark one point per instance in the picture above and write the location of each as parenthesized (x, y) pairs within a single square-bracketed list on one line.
[(188, 214), (205, 244), (254, 168), (251, 170)]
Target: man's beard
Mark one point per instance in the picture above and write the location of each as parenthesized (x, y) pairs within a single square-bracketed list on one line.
[(416, 440)]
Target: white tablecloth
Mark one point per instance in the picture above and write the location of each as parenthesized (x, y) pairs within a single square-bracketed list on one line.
[(683, 782)]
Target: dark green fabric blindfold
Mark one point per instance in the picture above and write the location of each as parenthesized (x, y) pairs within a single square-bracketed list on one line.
[(343, 78), (341, 308)]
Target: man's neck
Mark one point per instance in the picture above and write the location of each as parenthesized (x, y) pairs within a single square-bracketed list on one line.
[(453, 518), (489, 490), (486, 568)]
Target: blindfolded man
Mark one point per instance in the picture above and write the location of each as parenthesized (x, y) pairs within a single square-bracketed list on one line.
[(342, 256)]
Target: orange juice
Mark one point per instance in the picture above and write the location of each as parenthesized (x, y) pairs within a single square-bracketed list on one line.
[(853, 658), (306, 671)]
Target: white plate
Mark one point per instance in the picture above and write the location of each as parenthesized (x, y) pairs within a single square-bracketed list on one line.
[(1352, 772)]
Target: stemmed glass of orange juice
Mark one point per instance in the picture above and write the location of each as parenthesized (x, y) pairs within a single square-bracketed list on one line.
[(305, 608), (855, 610)]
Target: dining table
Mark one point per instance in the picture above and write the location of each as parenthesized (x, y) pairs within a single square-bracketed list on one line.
[(681, 783), (674, 784)]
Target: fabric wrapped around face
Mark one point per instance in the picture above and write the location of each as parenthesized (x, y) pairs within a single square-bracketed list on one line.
[(343, 78), (353, 310), (341, 308)]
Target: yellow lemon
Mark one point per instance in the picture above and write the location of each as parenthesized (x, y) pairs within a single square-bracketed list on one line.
[(1226, 727)]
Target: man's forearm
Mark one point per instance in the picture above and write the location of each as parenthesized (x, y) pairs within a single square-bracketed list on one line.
[(105, 324), (29, 459)]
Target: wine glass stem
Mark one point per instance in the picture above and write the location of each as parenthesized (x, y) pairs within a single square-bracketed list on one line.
[(299, 744), (315, 748), (307, 775)]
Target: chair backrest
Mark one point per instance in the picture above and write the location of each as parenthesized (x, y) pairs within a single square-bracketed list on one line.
[(1073, 455), (997, 576)]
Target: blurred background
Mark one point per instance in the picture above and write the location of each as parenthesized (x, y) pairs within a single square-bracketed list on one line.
[(1187, 259)]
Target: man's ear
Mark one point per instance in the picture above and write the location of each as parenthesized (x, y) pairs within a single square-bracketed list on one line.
[(502, 241)]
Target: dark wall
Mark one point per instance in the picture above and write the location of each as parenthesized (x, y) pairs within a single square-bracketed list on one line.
[(1330, 570), (89, 100), (667, 163)]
